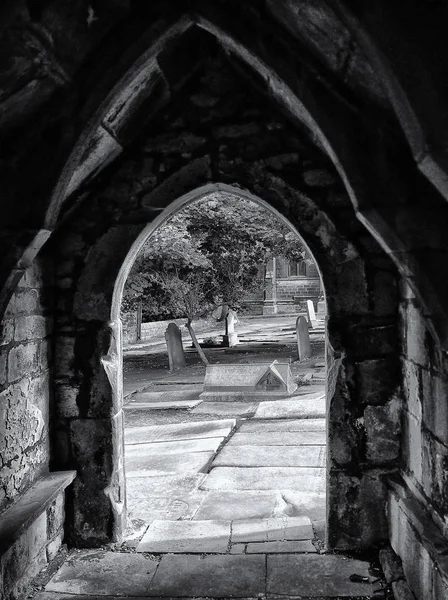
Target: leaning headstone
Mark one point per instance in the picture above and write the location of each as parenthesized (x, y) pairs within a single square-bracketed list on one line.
[(176, 356), (303, 338), (311, 313)]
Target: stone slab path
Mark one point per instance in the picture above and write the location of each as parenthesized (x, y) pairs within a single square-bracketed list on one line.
[(92, 574)]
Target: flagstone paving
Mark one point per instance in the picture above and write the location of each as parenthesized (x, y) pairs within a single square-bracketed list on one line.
[(297, 407), (277, 438), (265, 478), (179, 431), (275, 456), (90, 574), (148, 466)]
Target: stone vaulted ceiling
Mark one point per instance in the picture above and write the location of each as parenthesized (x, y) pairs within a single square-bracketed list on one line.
[(79, 80)]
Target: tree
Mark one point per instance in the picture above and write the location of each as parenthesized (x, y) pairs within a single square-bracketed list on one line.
[(207, 254)]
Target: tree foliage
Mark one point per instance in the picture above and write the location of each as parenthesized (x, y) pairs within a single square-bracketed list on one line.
[(207, 254)]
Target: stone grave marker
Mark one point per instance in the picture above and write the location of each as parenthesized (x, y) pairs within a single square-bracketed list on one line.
[(242, 382), (311, 314), (303, 338), (231, 337), (175, 349)]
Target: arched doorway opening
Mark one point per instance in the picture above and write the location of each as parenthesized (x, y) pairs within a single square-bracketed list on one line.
[(238, 456)]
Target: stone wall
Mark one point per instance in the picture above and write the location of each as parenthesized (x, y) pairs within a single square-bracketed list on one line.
[(25, 383), (423, 493)]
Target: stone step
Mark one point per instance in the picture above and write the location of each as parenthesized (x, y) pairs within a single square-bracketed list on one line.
[(179, 431), (279, 438), (272, 456), (286, 425), (307, 479), (217, 536)]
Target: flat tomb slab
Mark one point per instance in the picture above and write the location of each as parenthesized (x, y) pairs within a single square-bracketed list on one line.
[(275, 438), (238, 505), (273, 529), (178, 447), (307, 479), (286, 425), (179, 431), (297, 407), (249, 379), (222, 576), (316, 576), (98, 572), (163, 395), (147, 466), (273, 456), (186, 536)]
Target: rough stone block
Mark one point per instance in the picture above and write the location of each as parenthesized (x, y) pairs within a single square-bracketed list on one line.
[(402, 591), (54, 545), (37, 535), (22, 360), (435, 471), (435, 404), (31, 327), (357, 517), (6, 332), (378, 379), (383, 432), (56, 515), (415, 334), (412, 445), (412, 385), (391, 565)]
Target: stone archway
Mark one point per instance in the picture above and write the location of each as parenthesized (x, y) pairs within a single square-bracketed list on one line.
[(353, 524)]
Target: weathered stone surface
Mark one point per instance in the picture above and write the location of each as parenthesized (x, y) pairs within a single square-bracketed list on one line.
[(159, 464), (223, 576), (274, 529), (103, 573), (299, 407), (233, 505), (391, 565), (179, 431), (265, 478), (186, 536), (153, 505), (283, 547), (22, 360), (314, 576), (176, 447), (378, 380), (277, 425), (274, 456), (402, 591), (278, 438), (303, 338), (383, 432), (176, 356), (164, 485)]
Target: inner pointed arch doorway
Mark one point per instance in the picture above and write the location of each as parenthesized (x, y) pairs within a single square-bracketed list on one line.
[(212, 471)]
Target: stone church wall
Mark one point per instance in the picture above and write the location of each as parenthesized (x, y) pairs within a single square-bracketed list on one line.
[(25, 386), (418, 505)]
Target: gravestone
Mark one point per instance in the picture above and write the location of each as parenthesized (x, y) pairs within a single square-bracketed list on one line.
[(175, 349), (231, 337), (303, 339), (243, 382), (311, 313)]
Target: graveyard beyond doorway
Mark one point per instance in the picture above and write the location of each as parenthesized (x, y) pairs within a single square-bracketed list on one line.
[(216, 464)]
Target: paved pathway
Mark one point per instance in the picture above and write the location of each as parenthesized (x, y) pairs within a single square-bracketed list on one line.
[(232, 507)]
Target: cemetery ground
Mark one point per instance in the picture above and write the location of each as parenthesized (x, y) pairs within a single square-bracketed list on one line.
[(225, 499)]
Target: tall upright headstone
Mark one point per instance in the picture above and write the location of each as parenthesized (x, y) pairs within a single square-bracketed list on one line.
[(311, 313), (303, 339), (176, 355), (231, 337)]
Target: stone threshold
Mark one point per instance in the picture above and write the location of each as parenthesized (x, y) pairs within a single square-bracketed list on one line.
[(18, 517)]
